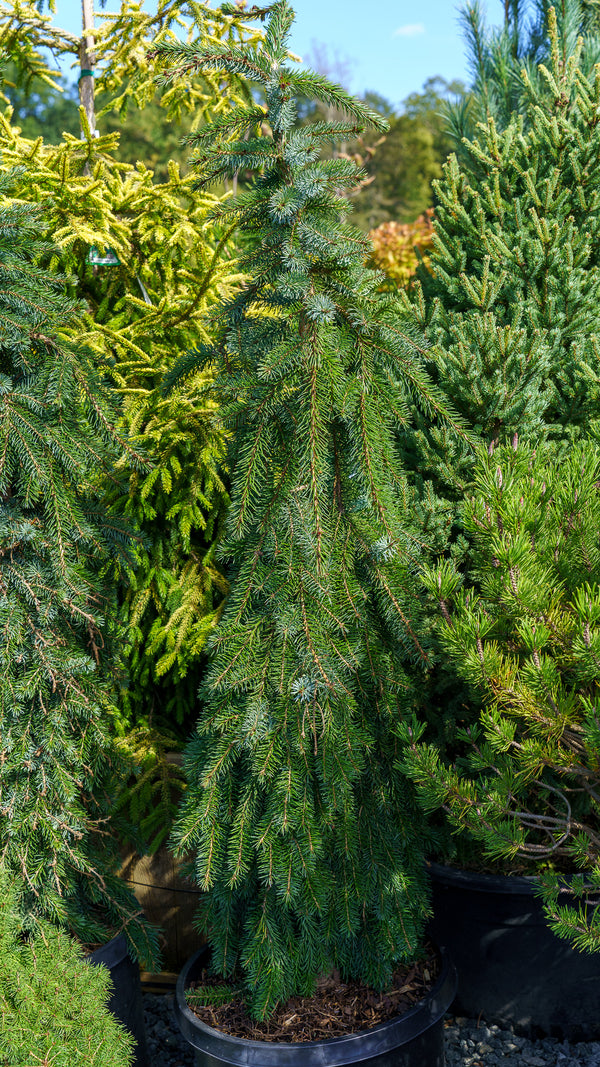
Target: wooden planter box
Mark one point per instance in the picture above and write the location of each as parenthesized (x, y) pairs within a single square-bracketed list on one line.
[(167, 899)]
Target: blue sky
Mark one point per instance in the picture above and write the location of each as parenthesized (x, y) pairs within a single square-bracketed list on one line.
[(390, 46)]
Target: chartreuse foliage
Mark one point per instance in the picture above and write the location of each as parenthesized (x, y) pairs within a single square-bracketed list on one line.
[(174, 265), (124, 73), (510, 300), (59, 767), (307, 839), (526, 639), (52, 1002)]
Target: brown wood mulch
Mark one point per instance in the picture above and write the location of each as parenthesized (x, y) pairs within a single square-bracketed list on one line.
[(338, 1008)]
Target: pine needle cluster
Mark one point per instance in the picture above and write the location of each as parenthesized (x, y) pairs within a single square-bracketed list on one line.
[(526, 639), (58, 766), (307, 839), (510, 300), (502, 60)]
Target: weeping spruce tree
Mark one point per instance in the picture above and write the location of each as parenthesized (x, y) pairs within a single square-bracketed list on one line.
[(59, 767), (307, 840)]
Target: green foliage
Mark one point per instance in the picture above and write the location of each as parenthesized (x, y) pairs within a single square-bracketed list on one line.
[(173, 266), (293, 763), (504, 60), (175, 591), (213, 995), (432, 106), (38, 108), (402, 168), (52, 1000), (148, 136), (152, 794), (510, 300), (526, 637), (59, 767), (159, 234)]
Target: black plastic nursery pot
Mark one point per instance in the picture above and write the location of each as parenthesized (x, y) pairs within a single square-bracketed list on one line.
[(126, 999), (511, 968), (414, 1039)]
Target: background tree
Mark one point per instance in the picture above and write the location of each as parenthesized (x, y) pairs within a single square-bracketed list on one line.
[(430, 107), (403, 167), (144, 311), (60, 767), (147, 135), (39, 109)]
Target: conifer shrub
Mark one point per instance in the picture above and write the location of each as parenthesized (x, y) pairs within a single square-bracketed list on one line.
[(509, 304), (306, 836), (52, 1001), (59, 767), (498, 57), (147, 308), (523, 632)]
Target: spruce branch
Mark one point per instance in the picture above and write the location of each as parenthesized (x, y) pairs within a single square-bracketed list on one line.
[(312, 658)]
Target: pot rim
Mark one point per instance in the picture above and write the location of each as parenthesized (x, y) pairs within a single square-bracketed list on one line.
[(517, 884), (111, 953), (350, 1048)]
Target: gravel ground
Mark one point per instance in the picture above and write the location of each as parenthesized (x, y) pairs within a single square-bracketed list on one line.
[(166, 1046), (472, 1044), (468, 1043)]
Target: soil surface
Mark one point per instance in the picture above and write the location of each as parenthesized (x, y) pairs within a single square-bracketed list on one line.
[(338, 1008)]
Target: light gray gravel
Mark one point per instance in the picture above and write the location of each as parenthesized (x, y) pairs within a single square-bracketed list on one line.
[(469, 1043)]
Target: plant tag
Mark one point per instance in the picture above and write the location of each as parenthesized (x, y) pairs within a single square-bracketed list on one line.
[(106, 258)]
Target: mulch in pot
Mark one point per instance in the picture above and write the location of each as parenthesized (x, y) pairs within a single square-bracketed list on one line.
[(337, 1008)]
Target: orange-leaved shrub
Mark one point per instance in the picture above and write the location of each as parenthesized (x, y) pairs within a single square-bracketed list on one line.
[(395, 246)]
